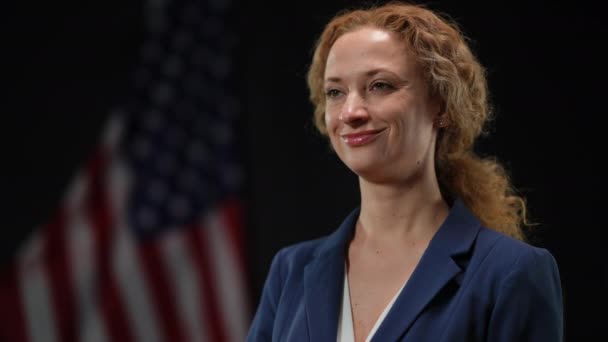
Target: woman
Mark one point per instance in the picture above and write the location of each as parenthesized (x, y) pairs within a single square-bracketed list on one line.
[(435, 252)]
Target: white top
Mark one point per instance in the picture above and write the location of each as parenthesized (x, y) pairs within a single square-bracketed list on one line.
[(346, 331)]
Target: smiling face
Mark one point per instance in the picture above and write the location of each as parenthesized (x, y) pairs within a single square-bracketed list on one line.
[(378, 112)]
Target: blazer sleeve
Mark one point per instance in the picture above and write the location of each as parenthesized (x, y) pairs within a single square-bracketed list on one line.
[(263, 322), (529, 303)]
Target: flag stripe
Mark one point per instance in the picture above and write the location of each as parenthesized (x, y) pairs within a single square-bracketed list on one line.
[(41, 319), (232, 213), (81, 255), (197, 240), (230, 284), (36, 297), (82, 251), (59, 275), (161, 291), (134, 290), (11, 310), (102, 222), (186, 285)]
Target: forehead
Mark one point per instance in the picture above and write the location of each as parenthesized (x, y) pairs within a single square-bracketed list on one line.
[(368, 48)]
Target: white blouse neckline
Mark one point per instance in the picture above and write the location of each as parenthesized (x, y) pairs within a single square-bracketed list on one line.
[(346, 330)]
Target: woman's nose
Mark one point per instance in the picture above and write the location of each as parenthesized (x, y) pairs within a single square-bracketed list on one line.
[(354, 111)]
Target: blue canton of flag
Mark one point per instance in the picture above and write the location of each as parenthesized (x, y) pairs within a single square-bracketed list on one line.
[(182, 142)]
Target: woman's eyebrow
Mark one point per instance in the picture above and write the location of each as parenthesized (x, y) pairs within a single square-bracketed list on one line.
[(368, 73), (333, 79), (376, 71)]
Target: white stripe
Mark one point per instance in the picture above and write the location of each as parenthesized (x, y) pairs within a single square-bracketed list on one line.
[(126, 265), (76, 192), (35, 293), (92, 329), (229, 279), (82, 257), (133, 289), (182, 272), (113, 131)]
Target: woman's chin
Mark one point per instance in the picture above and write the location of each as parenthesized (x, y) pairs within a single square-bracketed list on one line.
[(371, 172)]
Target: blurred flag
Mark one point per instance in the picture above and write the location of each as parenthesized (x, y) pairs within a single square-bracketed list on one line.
[(146, 245)]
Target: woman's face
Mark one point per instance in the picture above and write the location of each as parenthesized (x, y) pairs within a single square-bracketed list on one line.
[(378, 111)]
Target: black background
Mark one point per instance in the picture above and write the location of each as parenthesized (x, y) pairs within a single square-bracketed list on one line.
[(65, 65)]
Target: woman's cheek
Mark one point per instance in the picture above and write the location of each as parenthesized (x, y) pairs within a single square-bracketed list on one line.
[(330, 121)]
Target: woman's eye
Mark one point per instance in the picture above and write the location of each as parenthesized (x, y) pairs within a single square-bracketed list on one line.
[(381, 86), (332, 93)]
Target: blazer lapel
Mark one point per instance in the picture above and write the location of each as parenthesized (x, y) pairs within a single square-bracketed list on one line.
[(323, 283), (435, 269)]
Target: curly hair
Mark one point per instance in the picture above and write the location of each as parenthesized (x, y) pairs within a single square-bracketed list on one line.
[(458, 81)]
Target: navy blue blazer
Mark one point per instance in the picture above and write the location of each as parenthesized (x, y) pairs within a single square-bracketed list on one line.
[(471, 284)]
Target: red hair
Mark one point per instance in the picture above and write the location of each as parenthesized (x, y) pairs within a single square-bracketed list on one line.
[(458, 81)]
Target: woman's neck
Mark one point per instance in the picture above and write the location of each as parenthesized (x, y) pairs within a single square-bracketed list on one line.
[(402, 212)]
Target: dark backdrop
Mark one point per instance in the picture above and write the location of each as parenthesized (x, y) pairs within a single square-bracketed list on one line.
[(65, 65)]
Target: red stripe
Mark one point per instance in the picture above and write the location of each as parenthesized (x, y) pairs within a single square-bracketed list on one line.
[(161, 293), (198, 242), (12, 317), (232, 216), (99, 211), (56, 260)]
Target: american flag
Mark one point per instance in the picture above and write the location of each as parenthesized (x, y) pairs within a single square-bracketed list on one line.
[(146, 244)]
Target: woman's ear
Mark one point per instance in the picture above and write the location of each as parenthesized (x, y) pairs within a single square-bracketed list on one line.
[(441, 120), (441, 116)]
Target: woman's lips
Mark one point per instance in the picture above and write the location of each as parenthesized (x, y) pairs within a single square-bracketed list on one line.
[(361, 138)]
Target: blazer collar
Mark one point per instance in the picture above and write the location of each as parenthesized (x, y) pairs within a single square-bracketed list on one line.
[(324, 276), (436, 268), (323, 282)]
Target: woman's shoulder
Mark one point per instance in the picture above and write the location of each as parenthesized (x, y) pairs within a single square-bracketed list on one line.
[(509, 255), (523, 284), (300, 252)]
